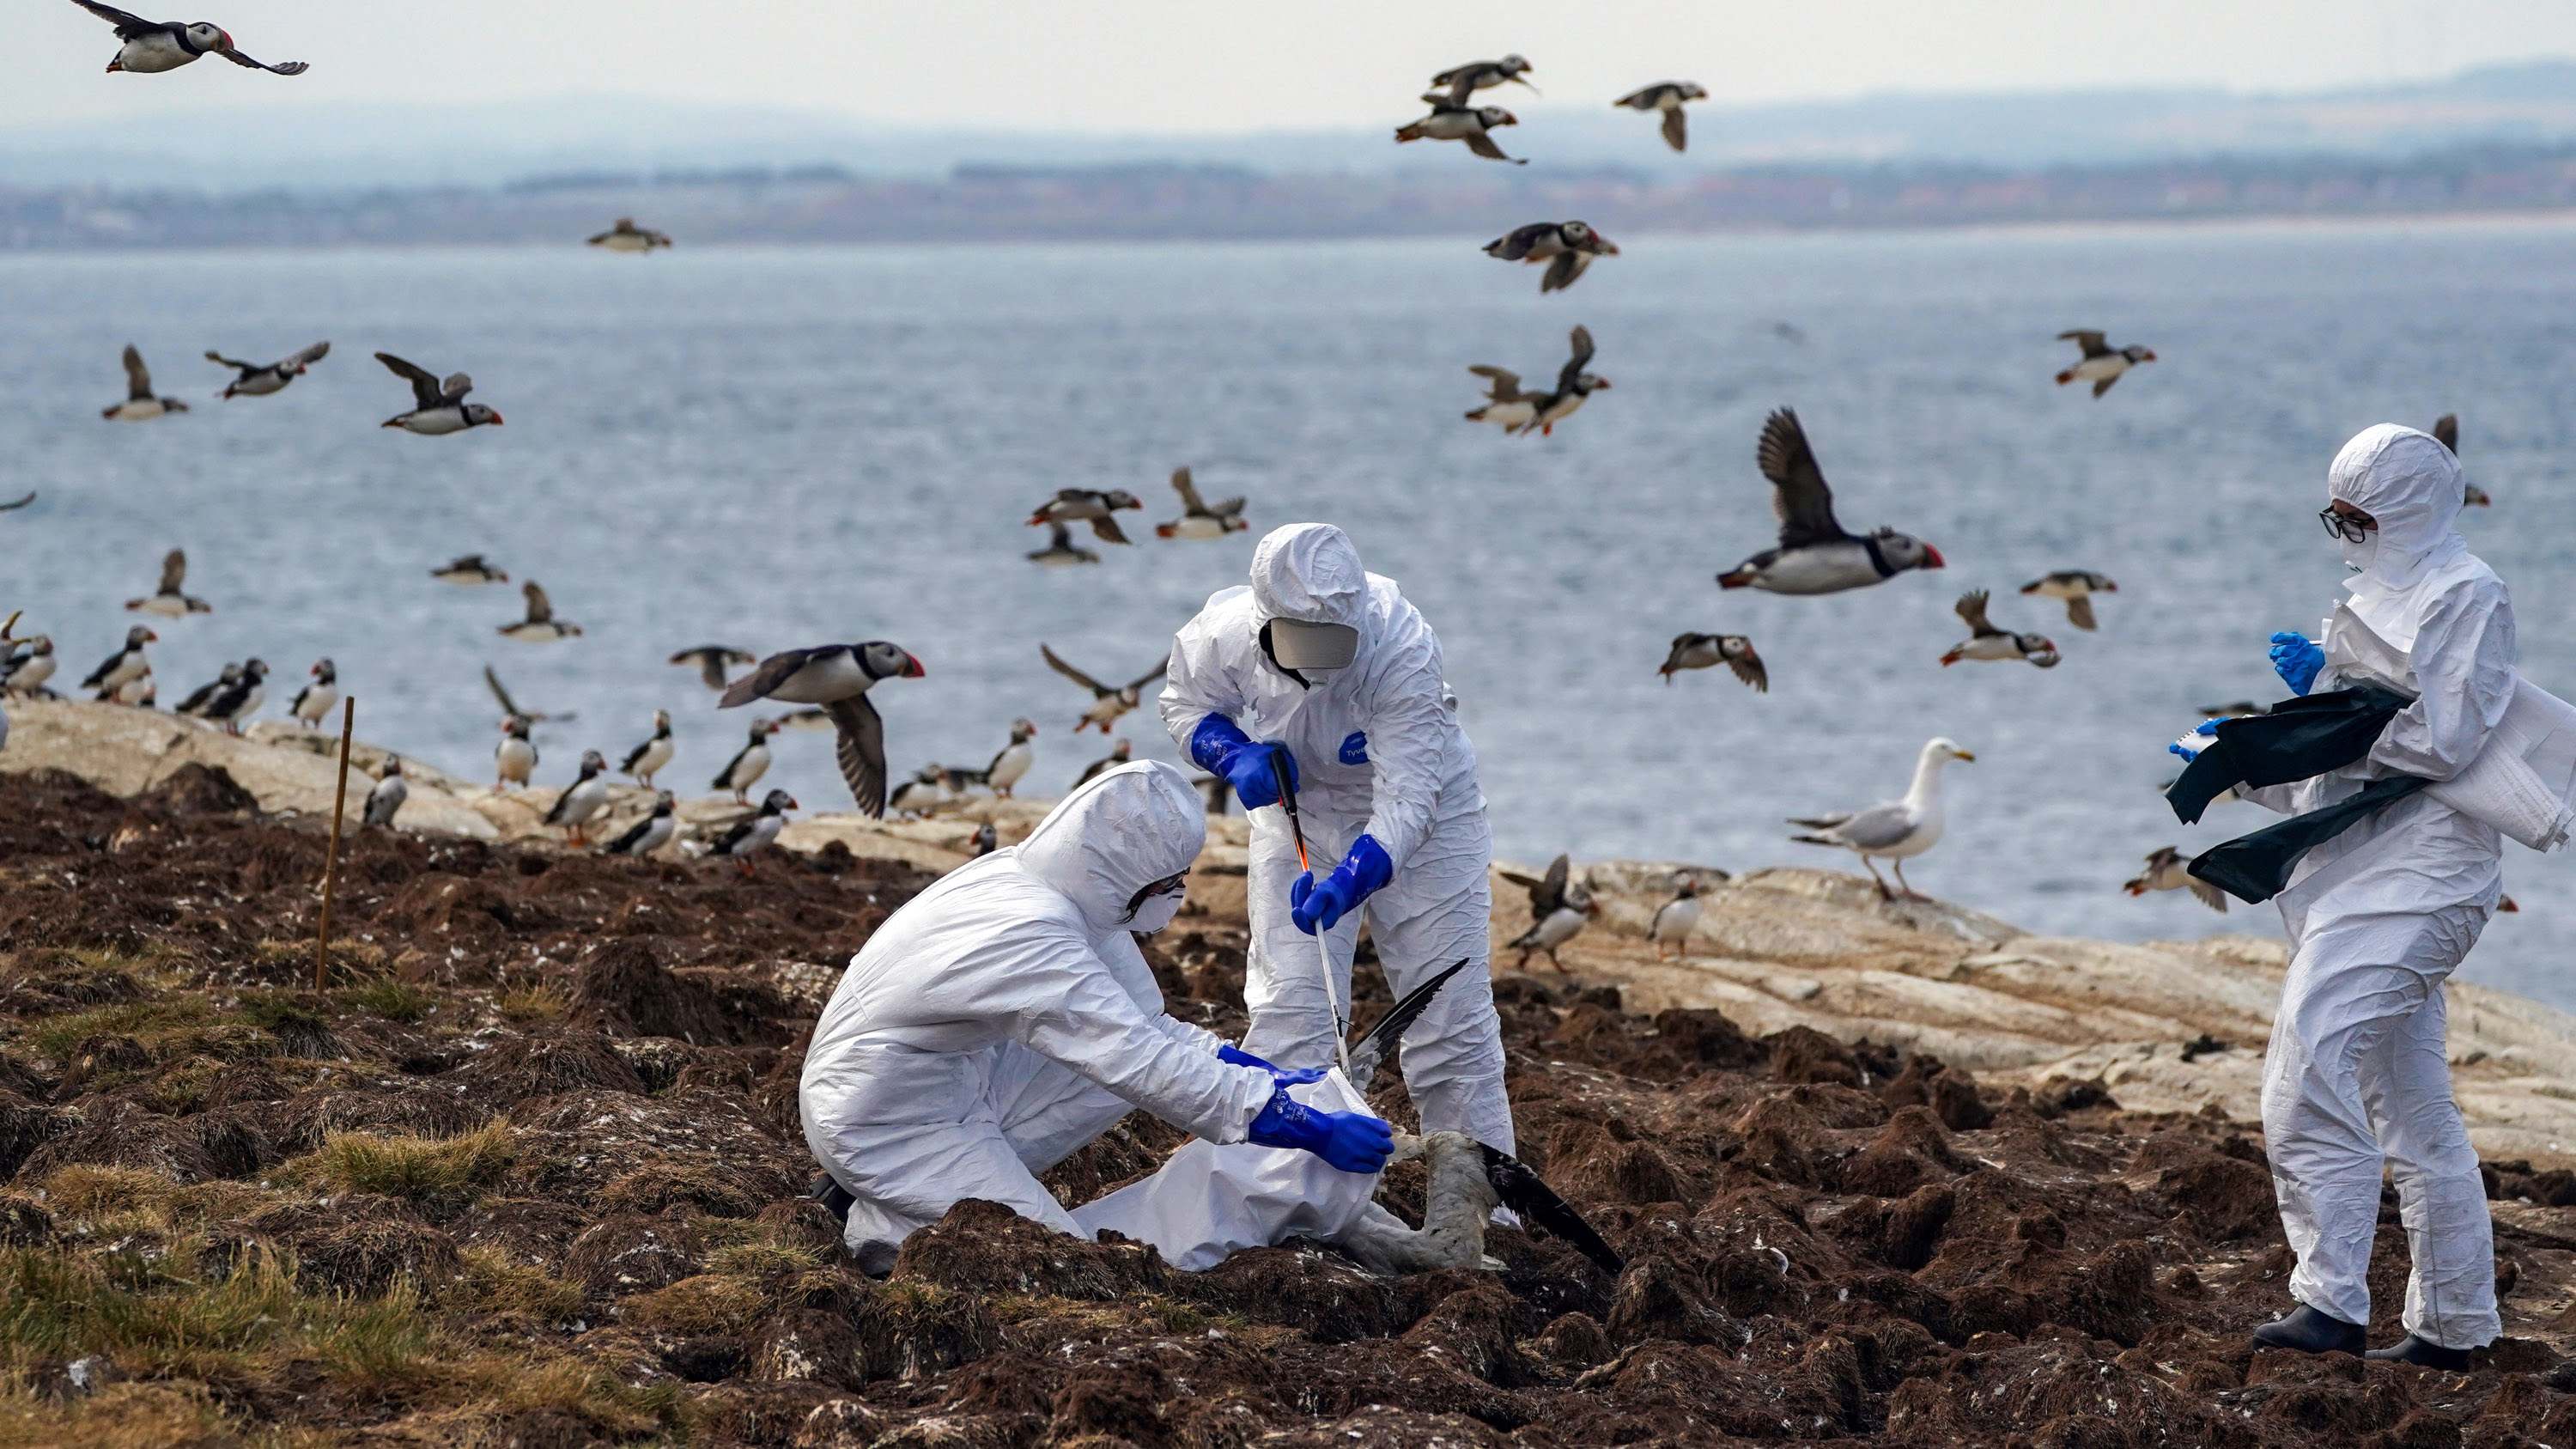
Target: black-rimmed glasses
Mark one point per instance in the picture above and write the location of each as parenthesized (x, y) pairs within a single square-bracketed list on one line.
[(2344, 526)]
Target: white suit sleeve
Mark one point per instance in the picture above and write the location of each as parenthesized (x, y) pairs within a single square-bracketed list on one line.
[(1074, 1011), (2463, 666), (1408, 745), (1197, 684)]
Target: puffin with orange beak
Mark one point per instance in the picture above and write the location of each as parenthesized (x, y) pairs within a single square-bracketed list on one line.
[(152, 46), (837, 677)]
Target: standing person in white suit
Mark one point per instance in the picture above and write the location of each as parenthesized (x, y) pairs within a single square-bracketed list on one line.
[(1323, 672), (1004, 1017), (2381, 914)]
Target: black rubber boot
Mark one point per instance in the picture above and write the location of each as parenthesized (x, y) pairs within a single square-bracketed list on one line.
[(2308, 1331), (2416, 1351)]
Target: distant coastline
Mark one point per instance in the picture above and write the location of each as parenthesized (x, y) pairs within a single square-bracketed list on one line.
[(826, 204)]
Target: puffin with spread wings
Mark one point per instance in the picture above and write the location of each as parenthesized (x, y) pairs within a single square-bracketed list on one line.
[(1815, 555), (837, 677), (1108, 702), (438, 406)]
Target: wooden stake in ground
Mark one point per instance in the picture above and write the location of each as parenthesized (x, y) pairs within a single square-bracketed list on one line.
[(331, 862)]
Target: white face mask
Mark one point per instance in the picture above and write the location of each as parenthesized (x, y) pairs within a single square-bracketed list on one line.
[(1157, 911), (2358, 556)]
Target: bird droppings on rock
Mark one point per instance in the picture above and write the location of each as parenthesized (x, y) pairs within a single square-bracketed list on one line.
[(585, 1225)]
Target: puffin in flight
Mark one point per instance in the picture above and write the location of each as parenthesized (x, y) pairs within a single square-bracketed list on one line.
[(1564, 247), (437, 406), (1667, 97), (1474, 125), (1096, 507), (540, 626), (140, 406), (2446, 431), (1200, 519), (1508, 407), (1987, 643), (259, 380), (2102, 364), (712, 660), (1465, 80), (1815, 556), (1061, 551), (2077, 587), (171, 600), (626, 236), (837, 677), (467, 570), (1701, 651), (1107, 702), (159, 45)]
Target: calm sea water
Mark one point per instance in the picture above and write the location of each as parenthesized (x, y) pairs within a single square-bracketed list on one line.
[(781, 447)]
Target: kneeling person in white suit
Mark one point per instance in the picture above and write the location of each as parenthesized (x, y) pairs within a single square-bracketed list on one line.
[(1004, 1017)]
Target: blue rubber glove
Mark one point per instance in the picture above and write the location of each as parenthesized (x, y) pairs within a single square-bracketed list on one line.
[(1235, 1056), (1362, 873), (2185, 747), (1351, 1141), (2296, 660), (1220, 748)]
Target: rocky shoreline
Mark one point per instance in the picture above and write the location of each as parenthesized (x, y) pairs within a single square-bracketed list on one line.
[(525, 1168)]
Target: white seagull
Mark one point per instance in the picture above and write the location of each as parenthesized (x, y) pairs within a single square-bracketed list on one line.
[(1895, 831)]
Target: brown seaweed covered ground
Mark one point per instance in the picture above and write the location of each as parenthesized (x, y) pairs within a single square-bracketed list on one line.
[(525, 1172)]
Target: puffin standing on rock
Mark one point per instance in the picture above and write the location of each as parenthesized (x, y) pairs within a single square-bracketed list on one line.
[(205, 694), (124, 666), (514, 760), (171, 600), (437, 406), (1120, 752), (385, 801), (1564, 247), (837, 677), (1702, 651), (1667, 97), (1675, 920), (650, 833), (314, 700), (152, 46), (1815, 556), (584, 798), (1014, 760), (27, 665), (257, 380), (745, 769), (240, 700), (750, 837), (642, 761), (140, 406)]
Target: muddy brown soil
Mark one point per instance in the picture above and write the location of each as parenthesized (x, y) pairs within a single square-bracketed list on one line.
[(525, 1171)]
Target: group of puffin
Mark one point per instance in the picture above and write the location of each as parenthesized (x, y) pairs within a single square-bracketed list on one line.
[(438, 404)]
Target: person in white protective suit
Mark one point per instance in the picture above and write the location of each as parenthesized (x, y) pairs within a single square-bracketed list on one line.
[(1322, 672), (2381, 914), (1004, 1017)]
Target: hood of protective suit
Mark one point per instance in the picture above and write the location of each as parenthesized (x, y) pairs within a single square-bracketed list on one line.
[(1130, 826), (1310, 571), (2411, 487)]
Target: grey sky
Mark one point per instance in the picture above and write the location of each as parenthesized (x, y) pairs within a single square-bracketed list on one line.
[(1222, 65)]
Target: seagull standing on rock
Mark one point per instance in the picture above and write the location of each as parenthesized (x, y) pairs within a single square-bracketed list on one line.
[(1815, 555), (1896, 831)]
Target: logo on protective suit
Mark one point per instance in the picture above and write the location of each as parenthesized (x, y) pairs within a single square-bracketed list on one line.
[(1355, 749)]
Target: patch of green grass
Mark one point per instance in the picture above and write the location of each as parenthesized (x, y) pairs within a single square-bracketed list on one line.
[(424, 1169), (519, 1295), (532, 1003), (393, 1000), (280, 1013), (55, 1038)]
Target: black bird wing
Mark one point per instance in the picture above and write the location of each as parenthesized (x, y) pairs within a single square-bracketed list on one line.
[(1526, 1193), (1370, 1047), (1972, 608), (1562, 272), (635, 832), (1189, 491), (203, 695), (1676, 130), (1105, 527), (771, 673), (283, 67), (21, 503), (1483, 145), (1516, 244), (860, 751), (174, 570), (1640, 100), (128, 24), (2092, 342), (740, 832), (138, 378), (1548, 893), (455, 386), (424, 388), (1749, 668), (307, 357), (1581, 341), (2079, 611), (1059, 538), (541, 610), (1152, 674), (634, 755), (509, 706), (98, 676), (214, 356), (1098, 689), (1505, 385), (2446, 431), (1804, 505)]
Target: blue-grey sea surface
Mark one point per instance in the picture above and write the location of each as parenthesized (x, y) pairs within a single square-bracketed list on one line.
[(791, 446)]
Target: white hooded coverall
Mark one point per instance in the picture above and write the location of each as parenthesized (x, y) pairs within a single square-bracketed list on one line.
[(1004, 1017), (1379, 752), (2380, 915)]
